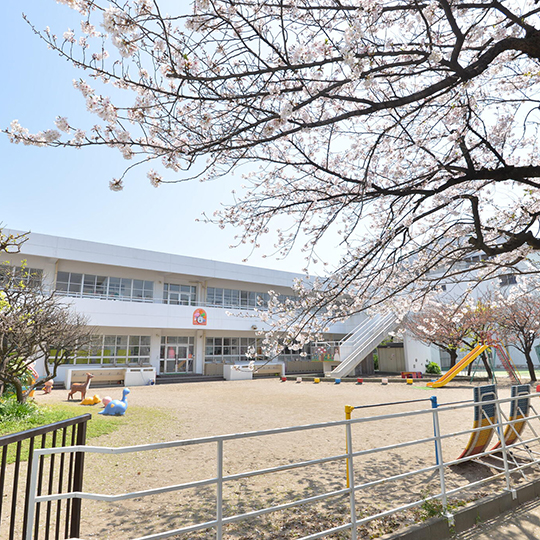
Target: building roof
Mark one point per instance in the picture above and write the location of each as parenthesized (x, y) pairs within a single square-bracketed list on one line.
[(57, 247)]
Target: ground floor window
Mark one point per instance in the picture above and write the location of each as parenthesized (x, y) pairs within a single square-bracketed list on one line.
[(229, 350), (115, 350), (176, 354), (289, 355)]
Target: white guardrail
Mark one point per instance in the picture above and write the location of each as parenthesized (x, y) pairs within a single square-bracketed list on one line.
[(353, 493)]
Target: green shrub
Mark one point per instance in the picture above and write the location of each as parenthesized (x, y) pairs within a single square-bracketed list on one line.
[(11, 410), (433, 368)]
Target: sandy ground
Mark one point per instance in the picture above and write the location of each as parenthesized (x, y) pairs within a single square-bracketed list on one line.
[(204, 409)]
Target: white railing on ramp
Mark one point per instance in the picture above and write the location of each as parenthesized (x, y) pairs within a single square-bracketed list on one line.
[(362, 341)]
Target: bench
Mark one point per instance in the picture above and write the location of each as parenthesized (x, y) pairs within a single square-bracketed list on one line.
[(104, 376), (264, 370)]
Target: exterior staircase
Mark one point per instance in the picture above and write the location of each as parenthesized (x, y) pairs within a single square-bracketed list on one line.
[(362, 341)]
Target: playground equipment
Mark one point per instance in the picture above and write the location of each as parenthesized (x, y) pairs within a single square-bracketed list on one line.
[(116, 407), (519, 409), (48, 386), (507, 363), (80, 387), (463, 363), (485, 417), (91, 400), (362, 341), (316, 380), (106, 400)]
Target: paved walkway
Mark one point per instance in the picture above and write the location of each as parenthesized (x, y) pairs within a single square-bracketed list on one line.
[(520, 524)]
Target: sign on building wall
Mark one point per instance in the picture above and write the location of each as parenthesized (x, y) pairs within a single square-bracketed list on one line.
[(199, 317)]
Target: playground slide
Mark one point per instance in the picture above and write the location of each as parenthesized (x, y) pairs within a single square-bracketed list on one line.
[(362, 341), (507, 363), (463, 363)]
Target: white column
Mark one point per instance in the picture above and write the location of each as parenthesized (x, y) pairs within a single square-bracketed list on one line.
[(199, 351), (155, 346)]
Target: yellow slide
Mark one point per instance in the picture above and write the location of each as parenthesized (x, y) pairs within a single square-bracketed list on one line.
[(463, 363)]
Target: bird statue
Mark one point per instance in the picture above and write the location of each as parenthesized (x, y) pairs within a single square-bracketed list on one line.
[(117, 407)]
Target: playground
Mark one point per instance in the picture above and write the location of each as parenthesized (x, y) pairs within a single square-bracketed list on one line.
[(214, 408)]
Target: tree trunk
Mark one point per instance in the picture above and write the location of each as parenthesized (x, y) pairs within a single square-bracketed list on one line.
[(530, 364), (453, 357), (21, 396), (487, 366)]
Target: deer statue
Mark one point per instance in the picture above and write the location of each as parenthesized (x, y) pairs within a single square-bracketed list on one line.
[(80, 387)]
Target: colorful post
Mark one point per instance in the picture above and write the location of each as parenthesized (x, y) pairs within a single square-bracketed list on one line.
[(435, 405), (348, 411)]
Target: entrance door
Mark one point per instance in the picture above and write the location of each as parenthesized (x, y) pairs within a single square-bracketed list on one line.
[(184, 360), (177, 355)]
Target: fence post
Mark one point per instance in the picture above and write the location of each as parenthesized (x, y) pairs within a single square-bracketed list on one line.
[(219, 489), (31, 508), (350, 482), (440, 462), (500, 432), (78, 470), (434, 405)]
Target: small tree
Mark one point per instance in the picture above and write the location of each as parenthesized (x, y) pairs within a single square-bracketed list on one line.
[(454, 327), (34, 323), (519, 321), (443, 324)]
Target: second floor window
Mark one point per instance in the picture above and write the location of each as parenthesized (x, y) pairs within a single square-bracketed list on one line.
[(184, 295), (18, 275), (73, 284)]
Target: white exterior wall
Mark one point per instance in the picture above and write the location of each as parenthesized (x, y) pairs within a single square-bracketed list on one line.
[(155, 319), (417, 354)]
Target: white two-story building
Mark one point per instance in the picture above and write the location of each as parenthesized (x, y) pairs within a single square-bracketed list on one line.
[(181, 315)]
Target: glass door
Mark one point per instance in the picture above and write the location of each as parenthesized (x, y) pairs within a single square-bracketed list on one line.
[(177, 354)]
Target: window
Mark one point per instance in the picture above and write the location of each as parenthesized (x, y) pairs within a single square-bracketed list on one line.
[(29, 277), (508, 279), (229, 350), (115, 350), (88, 285), (232, 298), (184, 295)]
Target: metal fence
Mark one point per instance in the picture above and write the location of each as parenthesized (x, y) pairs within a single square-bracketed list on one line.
[(438, 468), (15, 484)]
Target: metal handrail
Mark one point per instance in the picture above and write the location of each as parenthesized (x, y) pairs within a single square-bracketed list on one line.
[(219, 480)]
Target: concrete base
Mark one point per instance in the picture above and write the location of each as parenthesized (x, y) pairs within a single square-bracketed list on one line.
[(237, 373), (481, 510)]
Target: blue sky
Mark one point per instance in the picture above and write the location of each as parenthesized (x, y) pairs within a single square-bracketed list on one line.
[(66, 192)]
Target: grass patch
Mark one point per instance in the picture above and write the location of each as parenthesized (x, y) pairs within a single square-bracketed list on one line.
[(16, 417)]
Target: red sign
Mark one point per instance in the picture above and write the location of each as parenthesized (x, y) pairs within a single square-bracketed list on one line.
[(199, 317)]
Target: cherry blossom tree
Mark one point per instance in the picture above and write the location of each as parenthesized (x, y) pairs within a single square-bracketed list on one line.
[(455, 326), (441, 323), (408, 129), (519, 321)]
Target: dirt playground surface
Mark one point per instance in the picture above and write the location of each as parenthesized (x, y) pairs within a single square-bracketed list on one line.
[(186, 411)]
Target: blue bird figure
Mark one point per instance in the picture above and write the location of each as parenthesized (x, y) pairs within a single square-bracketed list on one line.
[(117, 407)]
